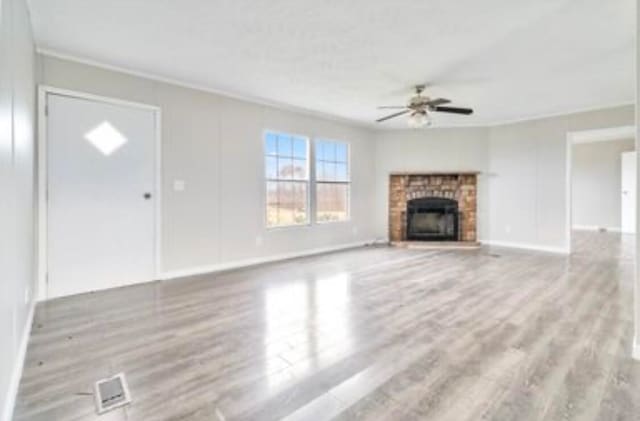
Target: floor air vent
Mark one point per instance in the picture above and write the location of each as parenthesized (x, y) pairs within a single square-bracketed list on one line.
[(111, 393)]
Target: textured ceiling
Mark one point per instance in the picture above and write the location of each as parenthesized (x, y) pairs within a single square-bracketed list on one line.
[(508, 59)]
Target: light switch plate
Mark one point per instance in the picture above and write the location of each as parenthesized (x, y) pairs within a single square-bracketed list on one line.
[(178, 185)]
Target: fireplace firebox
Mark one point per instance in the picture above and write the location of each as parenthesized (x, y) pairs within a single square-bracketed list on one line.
[(433, 219)]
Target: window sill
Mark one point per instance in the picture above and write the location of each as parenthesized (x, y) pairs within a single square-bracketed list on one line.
[(342, 221), (288, 227)]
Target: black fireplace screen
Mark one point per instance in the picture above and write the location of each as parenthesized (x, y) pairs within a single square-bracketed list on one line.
[(432, 219)]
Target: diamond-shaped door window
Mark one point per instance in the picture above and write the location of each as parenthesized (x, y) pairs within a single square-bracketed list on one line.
[(106, 138)]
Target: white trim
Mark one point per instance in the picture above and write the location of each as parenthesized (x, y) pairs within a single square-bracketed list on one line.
[(609, 134), (266, 180), (348, 183), (50, 52), (635, 351), (595, 228), (199, 270), (200, 87), (158, 195), (561, 113), (636, 279), (98, 98), (41, 239), (43, 91), (16, 375), (526, 246), (568, 190)]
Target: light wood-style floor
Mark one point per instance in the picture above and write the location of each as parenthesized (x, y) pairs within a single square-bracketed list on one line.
[(366, 334)]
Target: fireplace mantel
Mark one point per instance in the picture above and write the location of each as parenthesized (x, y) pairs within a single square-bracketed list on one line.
[(460, 186), (436, 173)]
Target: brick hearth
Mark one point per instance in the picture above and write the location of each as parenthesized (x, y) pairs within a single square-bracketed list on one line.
[(459, 186)]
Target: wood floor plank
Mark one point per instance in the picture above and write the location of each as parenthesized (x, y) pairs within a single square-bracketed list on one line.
[(375, 333)]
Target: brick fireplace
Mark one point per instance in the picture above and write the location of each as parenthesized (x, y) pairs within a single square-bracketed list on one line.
[(448, 200)]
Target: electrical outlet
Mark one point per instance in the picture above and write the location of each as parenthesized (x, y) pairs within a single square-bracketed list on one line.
[(259, 241), (507, 229), (354, 230), (27, 295)]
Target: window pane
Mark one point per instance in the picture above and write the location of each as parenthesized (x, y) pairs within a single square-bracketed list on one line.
[(272, 204), (285, 203), (329, 171), (341, 172), (286, 160), (329, 151), (284, 145), (271, 167), (291, 207), (285, 168), (332, 202), (299, 169), (319, 170), (300, 203), (299, 148), (341, 152), (271, 144), (319, 150)]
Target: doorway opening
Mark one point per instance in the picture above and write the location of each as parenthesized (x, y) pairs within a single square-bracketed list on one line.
[(601, 181)]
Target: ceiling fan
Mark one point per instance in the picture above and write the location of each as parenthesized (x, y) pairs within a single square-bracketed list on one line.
[(420, 107)]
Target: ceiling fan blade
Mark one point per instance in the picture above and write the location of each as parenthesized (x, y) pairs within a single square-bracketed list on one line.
[(454, 110), (387, 107), (392, 116), (438, 101)]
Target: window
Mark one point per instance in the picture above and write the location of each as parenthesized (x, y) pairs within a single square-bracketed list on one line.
[(333, 181), (287, 175)]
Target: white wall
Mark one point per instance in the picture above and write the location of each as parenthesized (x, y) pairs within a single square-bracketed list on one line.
[(596, 183), (17, 146), (214, 143), (528, 177), (463, 149)]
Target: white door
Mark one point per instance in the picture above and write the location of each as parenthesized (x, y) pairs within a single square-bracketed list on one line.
[(628, 201), (101, 195)]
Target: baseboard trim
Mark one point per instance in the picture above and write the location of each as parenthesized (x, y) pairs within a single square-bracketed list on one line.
[(526, 246), (237, 264), (595, 228), (12, 392)]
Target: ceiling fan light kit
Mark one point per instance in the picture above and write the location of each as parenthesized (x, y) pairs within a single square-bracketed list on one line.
[(420, 108), (418, 120)]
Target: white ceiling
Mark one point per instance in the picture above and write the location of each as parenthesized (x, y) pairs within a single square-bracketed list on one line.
[(508, 59)]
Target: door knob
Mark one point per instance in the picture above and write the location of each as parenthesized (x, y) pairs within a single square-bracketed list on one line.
[(147, 196)]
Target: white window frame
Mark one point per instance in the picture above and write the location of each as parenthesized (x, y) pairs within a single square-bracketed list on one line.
[(316, 181), (267, 180)]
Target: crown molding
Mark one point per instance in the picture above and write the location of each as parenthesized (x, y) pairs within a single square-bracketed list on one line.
[(608, 134), (53, 53), (203, 88), (544, 116)]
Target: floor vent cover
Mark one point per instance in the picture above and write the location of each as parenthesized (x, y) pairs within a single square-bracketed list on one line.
[(111, 393)]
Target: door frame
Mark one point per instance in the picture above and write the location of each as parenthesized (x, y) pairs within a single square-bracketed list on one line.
[(633, 154), (587, 136), (42, 180)]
